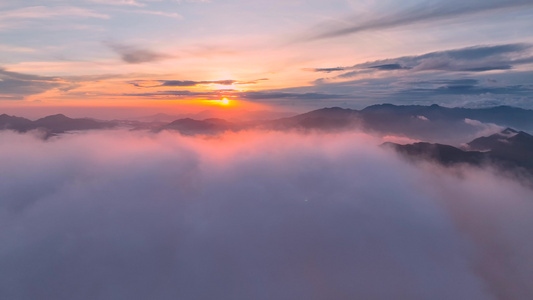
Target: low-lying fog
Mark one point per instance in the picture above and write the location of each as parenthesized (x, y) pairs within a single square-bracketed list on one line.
[(253, 215)]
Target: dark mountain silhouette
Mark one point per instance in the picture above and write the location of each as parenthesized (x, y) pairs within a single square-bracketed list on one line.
[(486, 143), (444, 154), (54, 124), (61, 123), (507, 150), (322, 119), (15, 123), (509, 146), (430, 123), (502, 115)]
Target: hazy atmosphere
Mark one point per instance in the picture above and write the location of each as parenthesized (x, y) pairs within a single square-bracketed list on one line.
[(249, 150)]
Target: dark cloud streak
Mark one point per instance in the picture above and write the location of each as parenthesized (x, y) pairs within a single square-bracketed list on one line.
[(429, 12), (191, 83), (16, 86), (470, 59), (249, 95), (195, 83), (326, 70), (136, 55), (388, 67)]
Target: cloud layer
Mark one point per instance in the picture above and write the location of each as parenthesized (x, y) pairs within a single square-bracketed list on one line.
[(471, 59), (136, 55), (15, 86), (425, 12), (122, 215)]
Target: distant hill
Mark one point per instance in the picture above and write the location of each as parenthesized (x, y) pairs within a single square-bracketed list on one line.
[(54, 124), (15, 123), (501, 115), (429, 123), (487, 143), (507, 150), (433, 123), (322, 119), (443, 154), (509, 146)]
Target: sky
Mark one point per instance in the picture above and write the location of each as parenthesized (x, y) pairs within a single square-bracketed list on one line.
[(134, 57)]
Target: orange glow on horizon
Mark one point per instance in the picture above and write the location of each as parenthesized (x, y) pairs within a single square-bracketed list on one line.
[(225, 102)]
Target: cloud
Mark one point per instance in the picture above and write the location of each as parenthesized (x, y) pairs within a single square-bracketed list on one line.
[(436, 76), (190, 83), (388, 67), (35, 16), (429, 11), (447, 89), (150, 12), (119, 2), (44, 12), (157, 13), (195, 83), (249, 95), (447, 63), (485, 129), (171, 93), (470, 59), (326, 70), (263, 95), (16, 49), (16, 86), (136, 55), (130, 215)]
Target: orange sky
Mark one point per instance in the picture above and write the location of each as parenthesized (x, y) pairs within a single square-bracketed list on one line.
[(113, 58)]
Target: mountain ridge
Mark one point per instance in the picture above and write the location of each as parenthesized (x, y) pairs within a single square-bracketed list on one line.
[(508, 150), (428, 123)]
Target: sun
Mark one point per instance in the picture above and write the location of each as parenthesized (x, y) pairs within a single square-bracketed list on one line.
[(222, 102)]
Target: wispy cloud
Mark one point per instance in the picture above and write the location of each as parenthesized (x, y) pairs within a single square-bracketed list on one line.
[(28, 16), (325, 70), (45, 12), (158, 13), (479, 76), (180, 83), (164, 94), (471, 59), (267, 96), (16, 49), (16, 86), (167, 14), (119, 2), (471, 89), (427, 12), (136, 55), (190, 83)]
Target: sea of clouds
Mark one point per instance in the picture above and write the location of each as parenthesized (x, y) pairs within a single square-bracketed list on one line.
[(253, 215)]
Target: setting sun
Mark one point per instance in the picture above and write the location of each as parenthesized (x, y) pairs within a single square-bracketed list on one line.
[(225, 101)]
